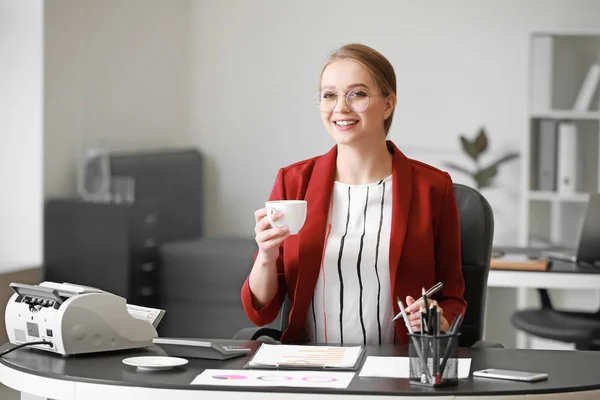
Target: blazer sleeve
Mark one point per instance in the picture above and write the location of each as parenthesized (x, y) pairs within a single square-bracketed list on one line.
[(448, 266), (267, 314)]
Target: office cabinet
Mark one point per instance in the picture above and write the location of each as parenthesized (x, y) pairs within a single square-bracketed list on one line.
[(113, 247)]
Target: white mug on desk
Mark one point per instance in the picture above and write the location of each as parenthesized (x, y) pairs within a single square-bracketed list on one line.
[(294, 214)]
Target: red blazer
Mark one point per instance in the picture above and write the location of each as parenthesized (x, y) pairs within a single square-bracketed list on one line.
[(424, 248)]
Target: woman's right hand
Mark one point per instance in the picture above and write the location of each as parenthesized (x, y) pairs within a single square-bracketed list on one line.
[(269, 239)]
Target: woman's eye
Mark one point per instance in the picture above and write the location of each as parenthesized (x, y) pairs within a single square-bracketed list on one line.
[(358, 93), (328, 95)]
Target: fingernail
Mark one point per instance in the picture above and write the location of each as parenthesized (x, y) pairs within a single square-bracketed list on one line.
[(284, 229)]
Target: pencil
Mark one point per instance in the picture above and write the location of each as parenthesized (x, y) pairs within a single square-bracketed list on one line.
[(433, 290)]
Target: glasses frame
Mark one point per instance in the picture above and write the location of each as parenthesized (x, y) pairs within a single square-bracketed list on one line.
[(317, 99)]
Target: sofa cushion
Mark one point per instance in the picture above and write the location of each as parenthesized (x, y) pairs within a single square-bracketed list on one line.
[(200, 286)]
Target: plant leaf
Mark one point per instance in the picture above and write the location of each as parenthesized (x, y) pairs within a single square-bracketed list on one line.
[(481, 141), (469, 147), (505, 158), (483, 177), (458, 168)]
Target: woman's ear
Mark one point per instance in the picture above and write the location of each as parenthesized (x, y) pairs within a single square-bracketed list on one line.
[(390, 104)]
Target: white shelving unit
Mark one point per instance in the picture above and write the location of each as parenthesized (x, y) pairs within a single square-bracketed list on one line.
[(567, 115), (559, 63)]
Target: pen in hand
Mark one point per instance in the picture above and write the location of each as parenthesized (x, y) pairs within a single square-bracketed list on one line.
[(433, 290)]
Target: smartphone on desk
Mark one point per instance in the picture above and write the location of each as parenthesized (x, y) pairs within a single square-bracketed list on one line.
[(511, 375)]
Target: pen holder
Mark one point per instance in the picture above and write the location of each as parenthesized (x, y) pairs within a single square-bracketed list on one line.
[(427, 351)]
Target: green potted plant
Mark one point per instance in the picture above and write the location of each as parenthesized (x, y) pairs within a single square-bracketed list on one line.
[(482, 175)]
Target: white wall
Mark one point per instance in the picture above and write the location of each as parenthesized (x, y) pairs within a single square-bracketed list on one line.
[(459, 65), (21, 119), (115, 70)]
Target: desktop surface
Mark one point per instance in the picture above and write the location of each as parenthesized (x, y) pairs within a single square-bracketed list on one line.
[(568, 267), (568, 372), (554, 265)]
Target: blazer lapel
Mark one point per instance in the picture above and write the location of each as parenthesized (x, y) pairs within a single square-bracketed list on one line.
[(401, 200), (312, 235)]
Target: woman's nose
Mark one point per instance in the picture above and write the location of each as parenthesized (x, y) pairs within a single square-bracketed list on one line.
[(342, 105)]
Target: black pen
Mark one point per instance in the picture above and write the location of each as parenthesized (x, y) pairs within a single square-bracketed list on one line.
[(436, 348), (455, 327), (426, 308), (425, 343), (422, 360)]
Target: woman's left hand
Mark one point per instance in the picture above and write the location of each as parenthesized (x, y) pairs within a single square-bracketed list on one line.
[(414, 315)]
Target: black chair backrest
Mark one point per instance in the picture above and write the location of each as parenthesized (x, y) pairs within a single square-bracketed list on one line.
[(476, 234)]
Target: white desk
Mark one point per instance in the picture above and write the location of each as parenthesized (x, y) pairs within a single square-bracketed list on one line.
[(548, 280), (559, 276)]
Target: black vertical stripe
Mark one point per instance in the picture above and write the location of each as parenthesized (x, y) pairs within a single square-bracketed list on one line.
[(360, 284), (377, 258), (314, 317), (339, 265)]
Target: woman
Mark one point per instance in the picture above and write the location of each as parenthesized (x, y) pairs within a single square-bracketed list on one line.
[(378, 225)]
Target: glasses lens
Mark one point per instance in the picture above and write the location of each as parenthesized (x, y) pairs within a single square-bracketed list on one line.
[(326, 100), (358, 101)]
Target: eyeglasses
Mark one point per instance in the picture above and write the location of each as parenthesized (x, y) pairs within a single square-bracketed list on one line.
[(357, 100)]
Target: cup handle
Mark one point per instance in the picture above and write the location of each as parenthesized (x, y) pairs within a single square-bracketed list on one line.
[(270, 218)]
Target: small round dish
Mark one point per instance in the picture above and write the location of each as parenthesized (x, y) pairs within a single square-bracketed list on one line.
[(155, 363)]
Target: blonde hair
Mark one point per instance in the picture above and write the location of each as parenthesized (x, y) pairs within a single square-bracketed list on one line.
[(379, 66)]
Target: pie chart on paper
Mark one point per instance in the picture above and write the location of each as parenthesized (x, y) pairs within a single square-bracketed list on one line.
[(229, 377)]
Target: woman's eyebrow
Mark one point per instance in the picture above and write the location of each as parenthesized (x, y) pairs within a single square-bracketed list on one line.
[(354, 85)]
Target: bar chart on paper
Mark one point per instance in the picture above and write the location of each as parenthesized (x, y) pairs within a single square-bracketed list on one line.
[(322, 356)]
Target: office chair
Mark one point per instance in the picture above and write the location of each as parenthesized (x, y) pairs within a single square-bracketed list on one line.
[(580, 328), (477, 233)]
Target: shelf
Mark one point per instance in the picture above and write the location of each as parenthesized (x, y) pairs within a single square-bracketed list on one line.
[(566, 33), (559, 197), (567, 115)]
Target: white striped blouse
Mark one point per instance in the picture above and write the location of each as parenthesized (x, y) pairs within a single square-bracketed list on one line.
[(352, 303)]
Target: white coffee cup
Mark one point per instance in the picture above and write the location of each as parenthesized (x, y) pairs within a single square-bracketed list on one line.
[(294, 214)]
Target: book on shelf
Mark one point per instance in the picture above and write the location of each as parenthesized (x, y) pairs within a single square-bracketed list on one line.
[(567, 157), (547, 155), (587, 89)]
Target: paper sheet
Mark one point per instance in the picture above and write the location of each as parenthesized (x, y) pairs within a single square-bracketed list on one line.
[(273, 355), (245, 377), (399, 367), (152, 315)]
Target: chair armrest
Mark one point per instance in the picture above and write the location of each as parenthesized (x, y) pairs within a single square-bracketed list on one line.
[(261, 334), (487, 344)]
